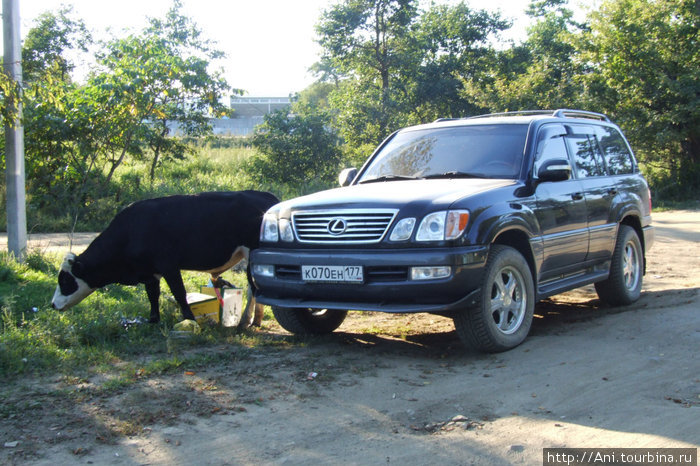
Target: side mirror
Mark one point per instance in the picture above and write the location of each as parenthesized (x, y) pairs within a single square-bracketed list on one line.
[(346, 176), (554, 170)]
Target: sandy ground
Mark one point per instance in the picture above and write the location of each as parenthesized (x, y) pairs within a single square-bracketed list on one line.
[(387, 389)]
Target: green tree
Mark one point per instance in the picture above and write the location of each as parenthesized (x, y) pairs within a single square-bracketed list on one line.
[(49, 135), (394, 65), (543, 72), (647, 74), (297, 149), (453, 44), (78, 134), (364, 44), (45, 46), (152, 80)]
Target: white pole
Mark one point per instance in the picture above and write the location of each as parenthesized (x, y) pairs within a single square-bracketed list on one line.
[(14, 136)]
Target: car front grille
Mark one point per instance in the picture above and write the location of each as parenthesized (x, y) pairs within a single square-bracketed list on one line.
[(343, 226)]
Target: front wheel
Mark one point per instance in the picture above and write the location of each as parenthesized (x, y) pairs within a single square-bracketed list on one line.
[(502, 316), (304, 321), (624, 284)]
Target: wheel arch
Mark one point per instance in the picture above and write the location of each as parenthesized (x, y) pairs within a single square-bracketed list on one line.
[(519, 240), (632, 219)]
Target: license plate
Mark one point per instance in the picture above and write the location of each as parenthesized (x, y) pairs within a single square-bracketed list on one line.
[(332, 273)]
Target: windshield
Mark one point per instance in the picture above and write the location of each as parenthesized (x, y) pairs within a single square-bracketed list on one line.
[(481, 151)]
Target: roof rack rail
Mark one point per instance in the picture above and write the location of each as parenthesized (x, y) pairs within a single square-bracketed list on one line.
[(513, 113), (565, 112), (559, 113)]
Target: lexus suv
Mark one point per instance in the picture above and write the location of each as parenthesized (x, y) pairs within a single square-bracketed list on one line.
[(476, 219)]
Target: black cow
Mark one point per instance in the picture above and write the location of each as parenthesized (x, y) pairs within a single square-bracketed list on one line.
[(208, 232)]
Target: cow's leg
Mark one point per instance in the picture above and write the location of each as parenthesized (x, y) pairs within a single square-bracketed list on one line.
[(253, 313), (259, 311), (248, 316), (174, 281), (153, 292)]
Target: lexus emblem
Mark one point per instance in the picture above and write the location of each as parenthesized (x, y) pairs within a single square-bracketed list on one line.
[(337, 226)]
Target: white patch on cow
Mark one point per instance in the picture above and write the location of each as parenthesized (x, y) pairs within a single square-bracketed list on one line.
[(238, 255), (68, 260), (61, 301)]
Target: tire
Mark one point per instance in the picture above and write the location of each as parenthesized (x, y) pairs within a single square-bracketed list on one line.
[(624, 284), (502, 317), (303, 321)]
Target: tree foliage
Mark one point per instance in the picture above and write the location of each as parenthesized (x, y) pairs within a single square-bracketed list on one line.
[(542, 72), (296, 149), (78, 134), (152, 80), (636, 60), (395, 65), (646, 56)]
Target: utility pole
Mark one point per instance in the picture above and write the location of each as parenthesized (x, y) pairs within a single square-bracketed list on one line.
[(14, 135)]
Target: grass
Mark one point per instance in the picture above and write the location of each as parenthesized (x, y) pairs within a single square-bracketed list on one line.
[(664, 206), (91, 338)]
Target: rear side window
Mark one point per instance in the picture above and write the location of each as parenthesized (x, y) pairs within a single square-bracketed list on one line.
[(583, 145), (617, 154)]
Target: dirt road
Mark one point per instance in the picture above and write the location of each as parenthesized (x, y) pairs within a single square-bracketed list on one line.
[(54, 242), (402, 390)]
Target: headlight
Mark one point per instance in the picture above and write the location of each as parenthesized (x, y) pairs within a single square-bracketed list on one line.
[(269, 230), (286, 233), (402, 231), (443, 225)]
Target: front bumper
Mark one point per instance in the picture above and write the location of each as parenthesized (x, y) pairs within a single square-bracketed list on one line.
[(387, 285)]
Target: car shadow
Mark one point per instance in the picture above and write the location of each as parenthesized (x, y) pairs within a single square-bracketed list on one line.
[(551, 317)]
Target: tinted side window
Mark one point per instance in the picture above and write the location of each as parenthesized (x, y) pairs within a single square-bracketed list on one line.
[(617, 154), (550, 145), (588, 158)]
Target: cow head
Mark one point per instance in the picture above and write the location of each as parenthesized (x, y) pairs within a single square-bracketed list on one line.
[(71, 289)]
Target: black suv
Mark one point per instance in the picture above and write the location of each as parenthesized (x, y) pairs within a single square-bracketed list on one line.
[(475, 218)]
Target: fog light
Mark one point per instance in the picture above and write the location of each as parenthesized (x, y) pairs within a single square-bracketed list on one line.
[(430, 273), (264, 270)]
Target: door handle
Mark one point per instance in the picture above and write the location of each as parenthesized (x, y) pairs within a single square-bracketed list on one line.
[(577, 196)]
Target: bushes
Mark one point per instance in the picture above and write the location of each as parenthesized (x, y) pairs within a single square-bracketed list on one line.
[(296, 149)]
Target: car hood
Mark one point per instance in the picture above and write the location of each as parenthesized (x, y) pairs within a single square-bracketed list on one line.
[(394, 194)]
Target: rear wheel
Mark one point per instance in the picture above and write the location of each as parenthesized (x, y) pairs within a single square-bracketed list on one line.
[(304, 321), (624, 284), (502, 317)]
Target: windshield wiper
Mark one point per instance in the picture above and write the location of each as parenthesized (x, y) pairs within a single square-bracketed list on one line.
[(388, 178), (455, 174)]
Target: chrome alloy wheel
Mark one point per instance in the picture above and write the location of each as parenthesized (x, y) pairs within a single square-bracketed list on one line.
[(631, 266), (508, 300)]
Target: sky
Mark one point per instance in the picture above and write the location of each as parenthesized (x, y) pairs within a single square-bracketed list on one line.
[(270, 44)]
